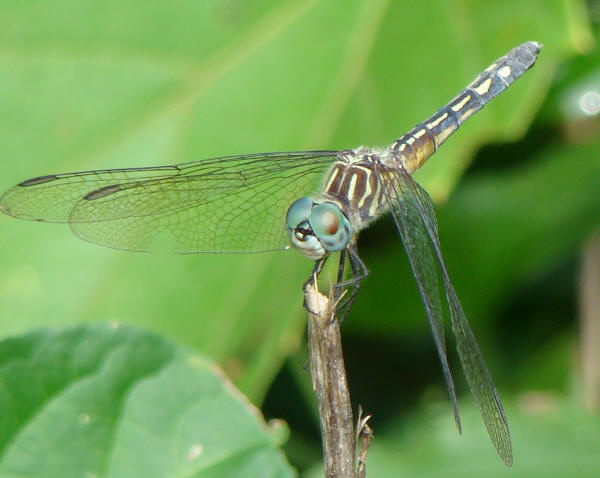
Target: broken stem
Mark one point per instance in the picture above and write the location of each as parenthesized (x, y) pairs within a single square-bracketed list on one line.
[(330, 385)]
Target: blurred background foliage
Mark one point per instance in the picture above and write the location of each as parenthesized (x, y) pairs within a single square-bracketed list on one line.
[(92, 85)]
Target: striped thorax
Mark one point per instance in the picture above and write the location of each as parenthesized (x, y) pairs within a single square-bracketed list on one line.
[(354, 187)]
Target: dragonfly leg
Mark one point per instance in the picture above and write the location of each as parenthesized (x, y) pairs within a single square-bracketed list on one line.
[(359, 272), (312, 280), (337, 291)]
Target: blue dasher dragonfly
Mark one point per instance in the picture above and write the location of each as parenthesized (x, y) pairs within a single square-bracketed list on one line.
[(242, 203)]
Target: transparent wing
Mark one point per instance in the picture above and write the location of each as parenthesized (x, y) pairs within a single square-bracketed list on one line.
[(230, 204), (420, 255), (410, 202)]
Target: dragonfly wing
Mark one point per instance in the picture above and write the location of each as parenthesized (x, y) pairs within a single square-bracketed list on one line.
[(420, 255), (231, 204), (478, 377)]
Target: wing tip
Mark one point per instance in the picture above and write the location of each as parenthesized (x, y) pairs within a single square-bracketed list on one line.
[(507, 458)]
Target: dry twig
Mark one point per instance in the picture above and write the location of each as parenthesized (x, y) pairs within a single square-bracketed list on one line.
[(329, 383)]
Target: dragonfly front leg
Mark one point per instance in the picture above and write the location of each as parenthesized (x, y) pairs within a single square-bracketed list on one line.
[(312, 280), (337, 292), (359, 272)]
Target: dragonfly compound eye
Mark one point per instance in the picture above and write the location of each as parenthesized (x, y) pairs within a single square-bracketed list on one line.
[(299, 229), (298, 213), (330, 226)]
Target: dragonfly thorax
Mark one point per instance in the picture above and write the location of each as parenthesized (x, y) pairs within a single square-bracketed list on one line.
[(317, 228), (354, 183)]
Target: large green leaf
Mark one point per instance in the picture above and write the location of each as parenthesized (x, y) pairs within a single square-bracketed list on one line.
[(111, 401), (135, 83)]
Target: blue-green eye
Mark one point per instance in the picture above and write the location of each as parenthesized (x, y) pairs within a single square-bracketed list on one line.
[(330, 226), (298, 213)]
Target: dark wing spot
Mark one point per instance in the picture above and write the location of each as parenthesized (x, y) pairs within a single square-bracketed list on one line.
[(102, 192), (38, 180)]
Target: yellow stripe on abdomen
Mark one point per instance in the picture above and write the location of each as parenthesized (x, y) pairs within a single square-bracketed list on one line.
[(423, 140)]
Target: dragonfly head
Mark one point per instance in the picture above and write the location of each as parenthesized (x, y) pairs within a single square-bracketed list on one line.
[(316, 229)]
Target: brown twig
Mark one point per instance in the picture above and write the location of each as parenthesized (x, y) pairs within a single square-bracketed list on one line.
[(364, 435), (330, 385)]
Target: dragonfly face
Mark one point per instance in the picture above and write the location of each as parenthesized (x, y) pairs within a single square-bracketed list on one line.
[(316, 229), (353, 196), (237, 204)]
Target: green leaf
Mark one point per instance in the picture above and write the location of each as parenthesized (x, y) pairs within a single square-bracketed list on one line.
[(91, 85), (109, 400), (550, 439)]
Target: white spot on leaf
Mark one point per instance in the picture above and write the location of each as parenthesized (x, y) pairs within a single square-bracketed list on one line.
[(194, 452)]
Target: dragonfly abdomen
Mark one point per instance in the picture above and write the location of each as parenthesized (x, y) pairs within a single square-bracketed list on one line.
[(423, 140)]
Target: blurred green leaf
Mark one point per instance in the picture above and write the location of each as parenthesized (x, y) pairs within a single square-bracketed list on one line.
[(549, 366), (555, 442), (108, 400), (90, 85), (130, 83), (550, 439)]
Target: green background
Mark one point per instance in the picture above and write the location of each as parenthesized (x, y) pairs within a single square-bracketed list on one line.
[(92, 85)]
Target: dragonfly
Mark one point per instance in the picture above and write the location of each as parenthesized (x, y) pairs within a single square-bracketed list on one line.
[(249, 203)]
